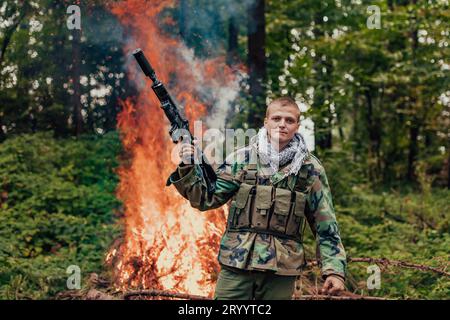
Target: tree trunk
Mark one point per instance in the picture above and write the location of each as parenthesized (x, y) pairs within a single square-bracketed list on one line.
[(413, 148), (90, 126), (355, 129), (256, 30), (76, 71), (374, 137), (329, 125), (7, 40), (390, 4), (183, 11), (448, 171), (233, 32), (324, 117), (8, 33)]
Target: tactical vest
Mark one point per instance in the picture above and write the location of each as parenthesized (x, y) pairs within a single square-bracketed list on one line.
[(265, 209)]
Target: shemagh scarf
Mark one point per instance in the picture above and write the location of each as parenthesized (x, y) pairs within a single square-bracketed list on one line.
[(295, 150)]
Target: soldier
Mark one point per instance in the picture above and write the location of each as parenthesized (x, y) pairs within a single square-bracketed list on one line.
[(274, 186)]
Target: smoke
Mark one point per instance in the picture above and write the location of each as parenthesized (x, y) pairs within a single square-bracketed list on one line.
[(224, 103), (219, 94), (201, 28), (102, 28), (206, 37)]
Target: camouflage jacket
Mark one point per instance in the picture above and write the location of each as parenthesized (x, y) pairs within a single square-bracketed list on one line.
[(255, 251)]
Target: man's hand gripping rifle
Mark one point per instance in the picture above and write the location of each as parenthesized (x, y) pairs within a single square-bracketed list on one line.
[(179, 130)]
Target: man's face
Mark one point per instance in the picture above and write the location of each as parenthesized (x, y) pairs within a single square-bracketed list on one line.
[(282, 123)]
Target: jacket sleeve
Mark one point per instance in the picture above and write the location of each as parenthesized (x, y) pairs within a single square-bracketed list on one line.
[(322, 220), (188, 181)]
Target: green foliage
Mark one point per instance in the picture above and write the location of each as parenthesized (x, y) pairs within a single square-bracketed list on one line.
[(37, 68), (57, 209), (409, 227), (400, 225), (381, 91)]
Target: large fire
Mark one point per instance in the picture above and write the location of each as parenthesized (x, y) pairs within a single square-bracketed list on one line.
[(167, 244)]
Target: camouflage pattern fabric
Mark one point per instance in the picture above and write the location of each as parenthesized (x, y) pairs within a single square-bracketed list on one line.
[(255, 251)]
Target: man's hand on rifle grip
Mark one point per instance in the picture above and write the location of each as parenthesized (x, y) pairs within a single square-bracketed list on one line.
[(188, 151)]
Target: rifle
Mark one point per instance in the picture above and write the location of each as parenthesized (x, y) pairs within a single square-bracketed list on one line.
[(179, 130)]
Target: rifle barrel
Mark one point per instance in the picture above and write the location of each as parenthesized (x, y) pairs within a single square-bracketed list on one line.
[(144, 64)]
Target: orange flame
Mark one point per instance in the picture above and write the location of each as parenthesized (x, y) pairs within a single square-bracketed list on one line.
[(168, 245)]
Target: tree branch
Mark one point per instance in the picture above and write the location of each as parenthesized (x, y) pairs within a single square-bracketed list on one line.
[(396, 263)]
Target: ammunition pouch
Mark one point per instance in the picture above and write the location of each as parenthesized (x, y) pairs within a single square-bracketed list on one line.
[(268, 210)]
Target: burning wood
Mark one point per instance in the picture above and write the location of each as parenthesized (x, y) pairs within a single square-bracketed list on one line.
[(167, 244), (342, 297), (94, 294), (396, 263), (161, 293)]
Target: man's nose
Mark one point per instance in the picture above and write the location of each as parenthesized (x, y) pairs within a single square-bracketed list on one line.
[(282, 123)]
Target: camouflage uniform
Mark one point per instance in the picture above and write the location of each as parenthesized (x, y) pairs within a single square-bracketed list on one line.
[(246, 249)]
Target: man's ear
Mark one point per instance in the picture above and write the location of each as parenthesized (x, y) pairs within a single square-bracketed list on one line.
[(265, 122), (298, 122)]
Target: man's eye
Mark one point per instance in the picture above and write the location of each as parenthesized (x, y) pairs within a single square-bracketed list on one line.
[(276, 119)]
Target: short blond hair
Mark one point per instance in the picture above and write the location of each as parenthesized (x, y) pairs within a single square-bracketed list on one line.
[(285, 101)]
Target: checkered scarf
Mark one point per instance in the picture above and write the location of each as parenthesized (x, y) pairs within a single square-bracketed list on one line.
[(295, 151)]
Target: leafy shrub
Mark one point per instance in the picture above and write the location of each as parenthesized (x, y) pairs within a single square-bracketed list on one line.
[(57, 209)]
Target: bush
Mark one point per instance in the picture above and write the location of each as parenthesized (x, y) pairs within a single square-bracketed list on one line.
[(57, 209), (379, 222)]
